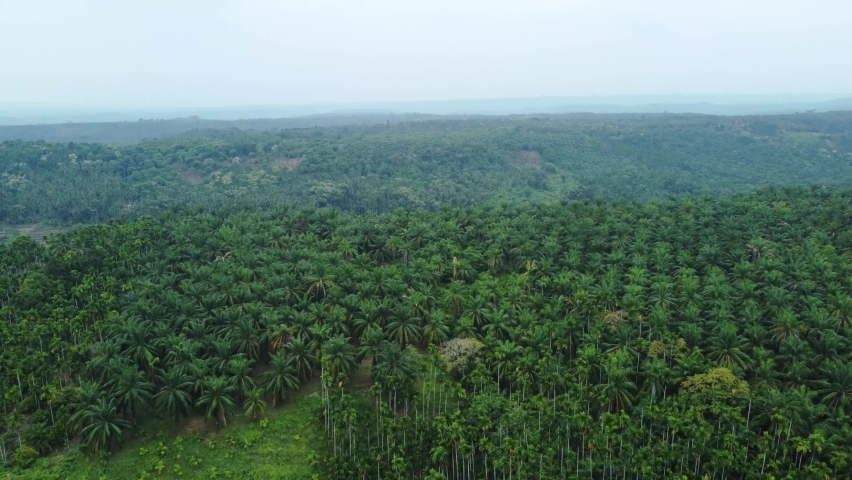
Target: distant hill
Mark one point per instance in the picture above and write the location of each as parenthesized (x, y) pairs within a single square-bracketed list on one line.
[(27, 114), (382, 165), (130, 132)]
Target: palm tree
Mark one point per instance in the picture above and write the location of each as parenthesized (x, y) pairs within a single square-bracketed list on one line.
[(464, 329), (395, 367), (299, 351), (37, 436), (138, 338), (302, 324), (278, 336), (617, 392), (498, 324), (85, 395), (842, 310), (338, 357), (370, 343), (174, 396), (218, 398), (131, 390), (254, 404), (657, 375), (727, 347), (320, 280), (345, 248), (454, 297), (786, 326), (239, 374), (197, 372), (15, 422), (836, 388), (102, 428), (245, 336), (220, 353), (405, 328), (436, 330), (105, 353), (504, 356), (280, 378)]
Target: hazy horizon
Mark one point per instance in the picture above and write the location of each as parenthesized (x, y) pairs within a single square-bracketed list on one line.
[(628, 100), (683, 104), (97, 54)]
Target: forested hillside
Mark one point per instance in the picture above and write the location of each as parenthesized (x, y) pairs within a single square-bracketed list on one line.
[(684, 338), (424, 165), (148, 129)]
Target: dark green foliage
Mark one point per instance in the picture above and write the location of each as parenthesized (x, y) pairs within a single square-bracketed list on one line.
[(693, 337), (424, 165)]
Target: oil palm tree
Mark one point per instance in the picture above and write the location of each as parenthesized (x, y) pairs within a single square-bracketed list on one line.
[(174, 396), (246, 337), (617, 390), (435, 331), (254, 404), (786, 325), (103, 429), (338, 357), (197, 372), (320, 280), (503, 359), (131, 390), (137, 337), (218, 400), (299, 352), (836, 387), (278, 335), (370, 344), (239, 374), (405, 327), (85, 395), (395, 366), (281, 378), (727, 348)]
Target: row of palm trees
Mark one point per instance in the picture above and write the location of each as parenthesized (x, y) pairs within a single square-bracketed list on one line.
[(571, 313), (204, 385)]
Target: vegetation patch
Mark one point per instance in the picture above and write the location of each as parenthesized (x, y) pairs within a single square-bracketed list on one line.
[(529, 159), (284, 444), (423, 165), (289, 164)]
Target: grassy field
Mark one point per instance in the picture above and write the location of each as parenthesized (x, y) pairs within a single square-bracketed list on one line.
[(805, 139), (284, 445), (34, 230)]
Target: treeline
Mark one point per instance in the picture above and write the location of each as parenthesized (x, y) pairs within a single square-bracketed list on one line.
[(424, 165), (693, 337), (119, 133)]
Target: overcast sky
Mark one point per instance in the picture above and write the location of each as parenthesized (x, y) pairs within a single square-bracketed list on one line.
[(179, 53)]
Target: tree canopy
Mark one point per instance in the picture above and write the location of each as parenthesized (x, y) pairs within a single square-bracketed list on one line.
[(692, 337), (459, 162)]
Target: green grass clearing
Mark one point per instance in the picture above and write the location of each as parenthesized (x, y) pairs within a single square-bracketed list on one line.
[(284, 446), (805, 139), (35, 230)]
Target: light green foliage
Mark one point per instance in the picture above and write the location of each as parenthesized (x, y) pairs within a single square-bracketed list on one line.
[(25, 455), (280, 449)]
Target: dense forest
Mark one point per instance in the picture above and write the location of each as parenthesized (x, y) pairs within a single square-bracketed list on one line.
[(686, 337), (426, 165)]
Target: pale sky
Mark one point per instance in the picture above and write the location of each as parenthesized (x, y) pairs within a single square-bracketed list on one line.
[(182, 53)]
